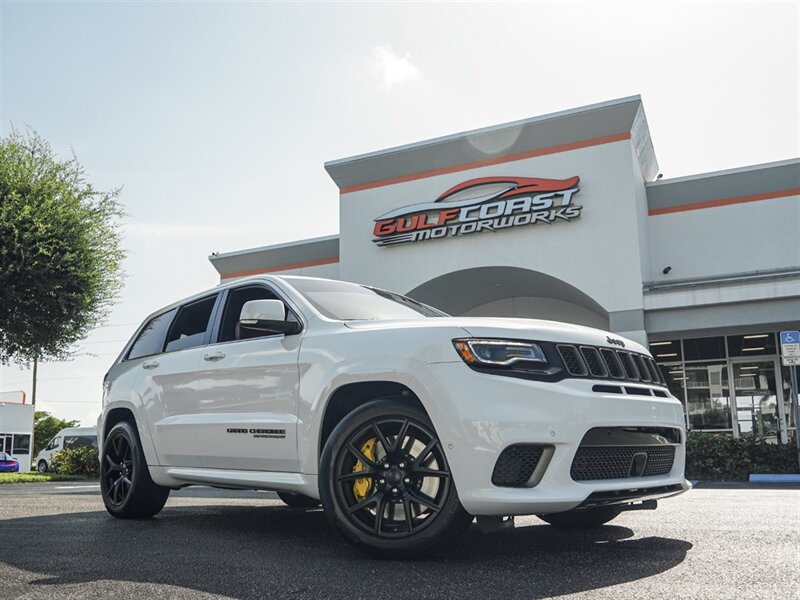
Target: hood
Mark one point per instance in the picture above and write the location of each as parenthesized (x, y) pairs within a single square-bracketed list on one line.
[(492, 327)]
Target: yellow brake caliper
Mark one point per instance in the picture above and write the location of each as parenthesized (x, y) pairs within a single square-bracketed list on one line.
[(362, 485)]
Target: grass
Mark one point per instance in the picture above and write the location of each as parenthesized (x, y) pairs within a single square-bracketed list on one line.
[(34, 477)]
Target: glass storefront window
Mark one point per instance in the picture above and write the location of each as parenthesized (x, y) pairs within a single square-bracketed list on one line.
[(708, 396), (666, 351), (786, 376), (752, 344), (675, 378), (730, 384), (704, 348), (756, 399)]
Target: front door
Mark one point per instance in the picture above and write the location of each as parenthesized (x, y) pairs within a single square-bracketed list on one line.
[(247, 394), (757, 398)]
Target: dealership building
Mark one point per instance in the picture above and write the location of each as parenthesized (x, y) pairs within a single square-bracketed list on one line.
[(565, 217)]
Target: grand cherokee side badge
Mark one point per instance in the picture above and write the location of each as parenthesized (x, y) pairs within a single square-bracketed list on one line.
[(260, 433), (615, 341)]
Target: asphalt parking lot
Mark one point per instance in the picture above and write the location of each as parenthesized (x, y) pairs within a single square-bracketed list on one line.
[(56, 541)]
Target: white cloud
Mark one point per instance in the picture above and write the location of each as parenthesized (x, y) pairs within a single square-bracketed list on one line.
[(391, 68)]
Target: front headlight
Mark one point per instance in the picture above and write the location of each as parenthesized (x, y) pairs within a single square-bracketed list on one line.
[(501, 353)]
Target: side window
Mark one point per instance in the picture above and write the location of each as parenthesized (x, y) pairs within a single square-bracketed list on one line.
[(229, 328), (22, 443), (190, 326), (53, 443), (151, 338), (79, 441)]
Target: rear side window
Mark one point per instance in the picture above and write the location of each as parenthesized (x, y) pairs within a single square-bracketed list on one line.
[(151, 338), (190, 326)]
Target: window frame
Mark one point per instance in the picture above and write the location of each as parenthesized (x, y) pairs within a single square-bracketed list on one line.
[(209, 326), (219, 312)]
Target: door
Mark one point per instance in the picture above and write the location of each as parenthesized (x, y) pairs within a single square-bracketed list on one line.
[(247, 393), (757, 399), (167, 382)]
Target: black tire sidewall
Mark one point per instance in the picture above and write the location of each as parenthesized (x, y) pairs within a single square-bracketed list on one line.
[(450, 521), (39, 466)]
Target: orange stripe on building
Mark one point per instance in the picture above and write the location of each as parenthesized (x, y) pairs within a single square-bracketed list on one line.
[(608, 139), (310, 263), (725, 202)]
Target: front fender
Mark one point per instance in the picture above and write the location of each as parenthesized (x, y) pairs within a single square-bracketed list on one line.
[(317, 389)]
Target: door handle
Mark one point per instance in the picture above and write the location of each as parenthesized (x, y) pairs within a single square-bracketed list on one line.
[(214, 356), (150, 364)]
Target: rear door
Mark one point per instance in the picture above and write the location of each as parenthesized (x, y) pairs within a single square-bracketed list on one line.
[(169, 357), (248, 391)]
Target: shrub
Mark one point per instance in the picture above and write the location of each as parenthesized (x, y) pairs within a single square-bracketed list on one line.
[(726, 458), (76, 461)]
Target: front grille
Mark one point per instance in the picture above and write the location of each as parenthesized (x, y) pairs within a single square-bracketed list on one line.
[(656, 372), (631, 372), (593, 361), (572, 360), (606, 363), (641, 366), (612, 362), (516, 464), (615, 462)]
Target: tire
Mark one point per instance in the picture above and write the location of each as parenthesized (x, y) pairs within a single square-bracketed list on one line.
[(584, 518), (298, 500), (415, 496), (125, 484), (42, 466)]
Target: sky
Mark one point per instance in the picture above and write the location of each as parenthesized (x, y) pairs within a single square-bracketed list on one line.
[(216, 118)]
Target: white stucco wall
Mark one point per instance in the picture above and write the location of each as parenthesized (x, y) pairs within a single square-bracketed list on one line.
[(735, 238), (599, 254), (540, 308)]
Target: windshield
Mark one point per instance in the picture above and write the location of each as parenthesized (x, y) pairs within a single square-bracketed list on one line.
[(350, 302)]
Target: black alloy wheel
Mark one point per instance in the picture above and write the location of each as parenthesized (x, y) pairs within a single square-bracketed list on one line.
[(386, 482), (125, 484), (118, 470)]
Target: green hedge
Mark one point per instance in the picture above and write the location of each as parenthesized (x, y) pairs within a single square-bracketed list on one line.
[(723, 457), (78, 461)]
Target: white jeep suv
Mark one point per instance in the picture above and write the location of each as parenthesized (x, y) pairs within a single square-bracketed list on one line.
[(402, 421)]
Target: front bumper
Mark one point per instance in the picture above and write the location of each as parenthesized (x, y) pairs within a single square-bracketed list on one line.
[(487, 413)]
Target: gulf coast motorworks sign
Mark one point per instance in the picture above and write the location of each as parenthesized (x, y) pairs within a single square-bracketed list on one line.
[(481, 205)]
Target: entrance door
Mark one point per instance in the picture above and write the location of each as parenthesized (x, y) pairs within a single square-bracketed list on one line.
[(758, 399)]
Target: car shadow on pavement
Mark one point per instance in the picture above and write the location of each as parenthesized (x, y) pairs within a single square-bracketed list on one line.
[(272, 552)]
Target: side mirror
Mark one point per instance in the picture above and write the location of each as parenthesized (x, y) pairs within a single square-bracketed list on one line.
[(267, 315)]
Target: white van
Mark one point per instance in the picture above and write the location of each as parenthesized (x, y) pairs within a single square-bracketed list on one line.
[(70, 438)]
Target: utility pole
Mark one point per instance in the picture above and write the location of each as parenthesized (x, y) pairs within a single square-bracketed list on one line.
[(33, 387), (33, 403)]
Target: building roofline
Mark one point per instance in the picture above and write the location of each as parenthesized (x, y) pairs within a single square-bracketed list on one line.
[(269, 247), (483, 130), (743, 169), (612, 121)]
